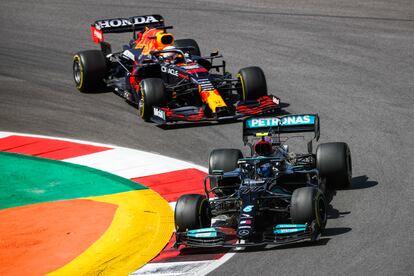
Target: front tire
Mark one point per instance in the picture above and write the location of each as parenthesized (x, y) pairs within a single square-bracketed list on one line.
[(308, 204), (152, 94), (89, 70), (192, 211), (252, 83), (333, 160)]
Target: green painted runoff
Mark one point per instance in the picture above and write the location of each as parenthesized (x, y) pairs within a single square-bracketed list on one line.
[(28, 180)]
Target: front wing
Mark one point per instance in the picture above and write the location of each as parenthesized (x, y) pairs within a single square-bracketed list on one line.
[(264, 105), (225, 237)]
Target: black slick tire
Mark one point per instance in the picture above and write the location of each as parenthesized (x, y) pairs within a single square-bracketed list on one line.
[(89, 70), (188, 42), (252, 83), (333, 160), (226, 161), (308, 204), (192, 211), (152, 92)]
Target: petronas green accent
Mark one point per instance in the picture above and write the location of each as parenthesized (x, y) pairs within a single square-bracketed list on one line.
[(28, 180)]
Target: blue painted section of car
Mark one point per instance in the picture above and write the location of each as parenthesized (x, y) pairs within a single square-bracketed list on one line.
[(281, 226), (202, 233), (294, 120), (289, 228)]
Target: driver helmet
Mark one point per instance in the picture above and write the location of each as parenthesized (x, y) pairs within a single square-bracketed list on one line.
[(264, 146), (172, 57)]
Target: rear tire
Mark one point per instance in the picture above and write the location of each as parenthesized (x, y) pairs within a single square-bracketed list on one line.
[(333, 160), (152, 94), (192, 211), (89, 70), (183, 43), (225, 160), (308, 204), (252, 83)]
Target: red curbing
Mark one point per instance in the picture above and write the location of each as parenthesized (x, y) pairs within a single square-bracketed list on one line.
[(46, 148)]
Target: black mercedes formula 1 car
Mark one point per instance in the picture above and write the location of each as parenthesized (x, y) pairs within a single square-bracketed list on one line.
[(169, 80), (275, 196)]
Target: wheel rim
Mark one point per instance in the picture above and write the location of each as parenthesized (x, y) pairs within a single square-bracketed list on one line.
[(77, 72), (239, 76), (321, 211), (349, 165), (141, 102)]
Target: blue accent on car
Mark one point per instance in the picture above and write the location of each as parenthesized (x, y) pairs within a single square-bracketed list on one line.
[(280, 226), (289, 228), (202, 233), (293, 120), (248, 208)]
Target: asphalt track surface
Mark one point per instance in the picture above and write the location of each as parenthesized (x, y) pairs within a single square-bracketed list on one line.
[(350, 61)]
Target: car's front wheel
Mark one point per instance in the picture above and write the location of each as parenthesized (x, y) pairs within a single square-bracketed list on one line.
[(252, 83), (152, 92), (192, 211), (308, 204)]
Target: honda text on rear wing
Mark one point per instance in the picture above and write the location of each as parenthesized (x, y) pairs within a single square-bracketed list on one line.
[(122, 25)]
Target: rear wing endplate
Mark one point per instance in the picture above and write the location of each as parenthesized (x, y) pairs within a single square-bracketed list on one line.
[(255, 126)]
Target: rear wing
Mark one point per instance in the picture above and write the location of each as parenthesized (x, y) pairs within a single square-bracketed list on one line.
[(258, 126), (122, 25)]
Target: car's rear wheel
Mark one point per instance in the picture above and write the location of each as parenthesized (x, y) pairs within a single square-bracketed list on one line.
[(192, 211), (89, 70), (190, 43), (252, 83), (333, 160), (224, 160), (152, 92), (308, 204)]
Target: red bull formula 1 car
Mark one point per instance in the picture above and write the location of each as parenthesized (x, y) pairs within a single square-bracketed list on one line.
[(167, 79)]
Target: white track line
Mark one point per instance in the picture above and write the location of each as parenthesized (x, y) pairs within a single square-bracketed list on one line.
[(131, 163), (4, 134)]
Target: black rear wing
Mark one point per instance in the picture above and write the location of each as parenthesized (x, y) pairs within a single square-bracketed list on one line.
[(123, 25), (259, 126)]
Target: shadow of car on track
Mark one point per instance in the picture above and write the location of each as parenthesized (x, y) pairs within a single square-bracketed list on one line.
[(302, 244), (333, 213), (361, 182), (181, 125), (187, 254), (335, 231)]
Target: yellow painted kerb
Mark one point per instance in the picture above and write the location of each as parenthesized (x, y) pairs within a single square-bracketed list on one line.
[(142, 226)]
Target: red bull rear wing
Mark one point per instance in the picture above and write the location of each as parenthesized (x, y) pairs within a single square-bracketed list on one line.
[(123, 25)]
